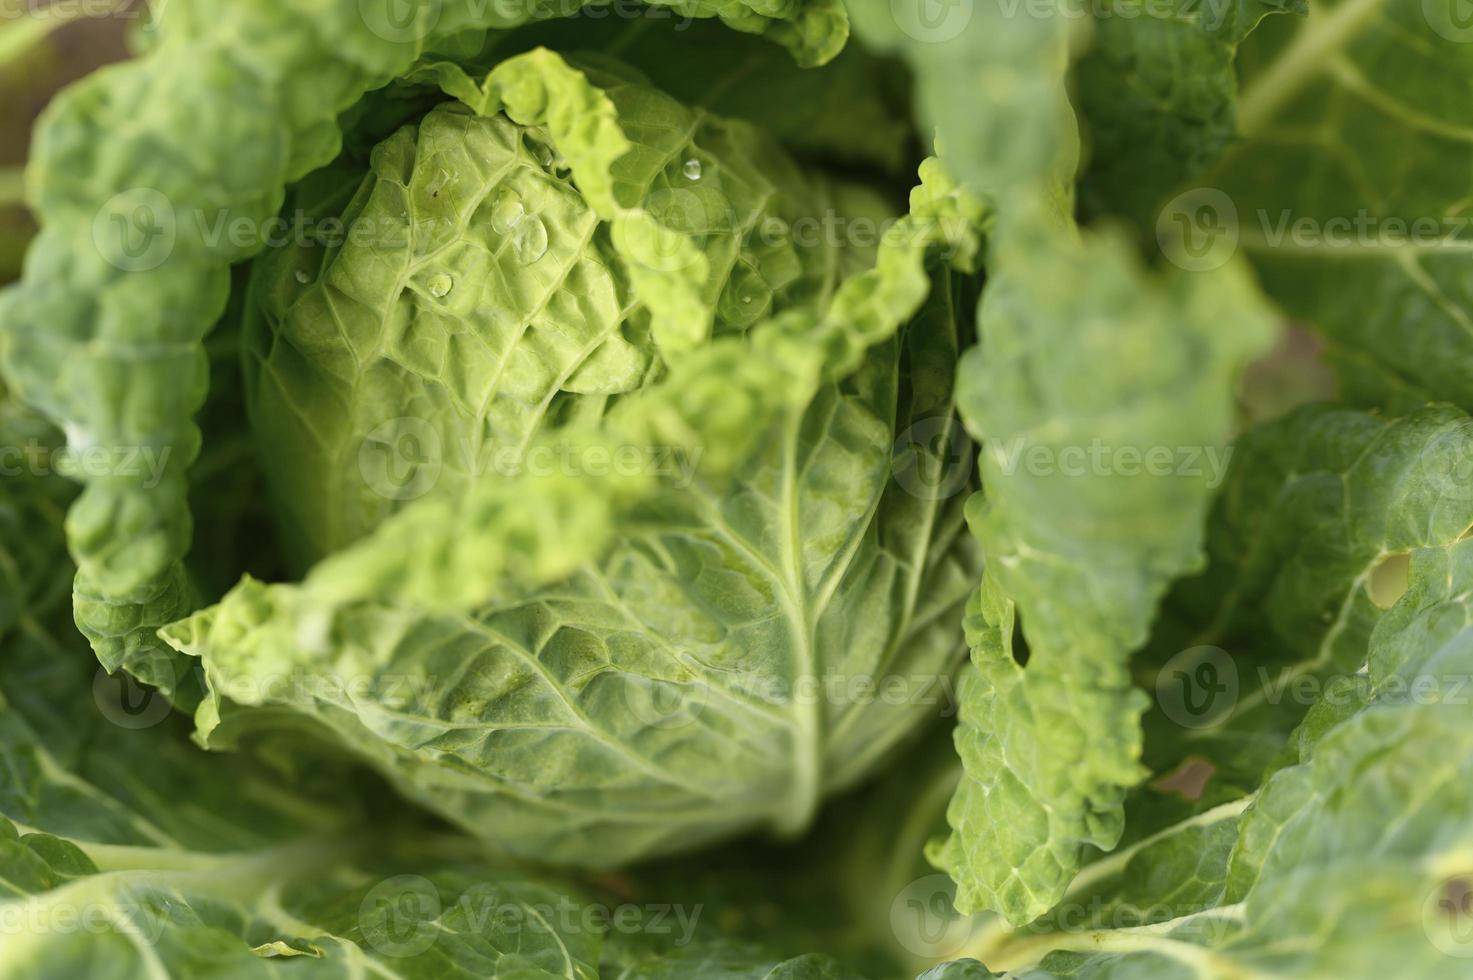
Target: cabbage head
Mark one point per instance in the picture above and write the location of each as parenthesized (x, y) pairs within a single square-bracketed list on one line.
[(616, 458)]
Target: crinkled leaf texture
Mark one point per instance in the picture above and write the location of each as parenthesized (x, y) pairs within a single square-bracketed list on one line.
[(1315, 504), (1352, 862), (1357, 836), (126, 851), (496, 283), (1095, 488), (1088, 369), (231, 103), (591, 667), (1328, 147)]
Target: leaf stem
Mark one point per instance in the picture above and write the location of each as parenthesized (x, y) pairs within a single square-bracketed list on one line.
[(1310, 53), (1203, 962), (999, 940)]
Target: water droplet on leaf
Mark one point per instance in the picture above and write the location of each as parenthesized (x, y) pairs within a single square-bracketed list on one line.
[(440, 285), (530, 240), (692, 169), (745, 297), (303, 276), (507, 212)]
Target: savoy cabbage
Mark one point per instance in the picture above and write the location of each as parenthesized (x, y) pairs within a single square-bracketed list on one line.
[(680, 491)]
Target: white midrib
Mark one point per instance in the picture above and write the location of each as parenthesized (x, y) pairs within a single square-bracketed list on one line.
[(228, 877), (1205, 963), (807, 775), (996, 942), (1310, 54)]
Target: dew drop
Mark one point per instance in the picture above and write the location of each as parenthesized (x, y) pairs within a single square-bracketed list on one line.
[(303, 276), (507, 212), (440, 285), (692, 169), (745, 297), (530, 239)]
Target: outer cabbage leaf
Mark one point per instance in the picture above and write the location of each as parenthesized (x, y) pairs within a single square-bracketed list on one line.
[(33, 501), (992, 84), (1157, 95), (1338, 172), (1384, 75), (716, 959), (1354, 862), (1050, 748), (125, 851), (1314, 506), (1095, 487)]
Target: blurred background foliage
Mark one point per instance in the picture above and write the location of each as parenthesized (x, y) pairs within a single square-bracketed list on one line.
[(44, 44)]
